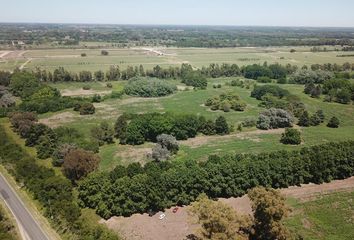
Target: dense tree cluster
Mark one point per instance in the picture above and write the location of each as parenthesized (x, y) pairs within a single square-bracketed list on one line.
[(143, 87), (339, 90), (136, 129), (226, 102), (259, 91), (274, 71), (195, 79), (53, 192), (305, 76), (274, 118), (158, 185)]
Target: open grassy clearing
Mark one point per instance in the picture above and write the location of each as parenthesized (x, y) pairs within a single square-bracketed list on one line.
[(327, 217), (149, 57), (190, 101)]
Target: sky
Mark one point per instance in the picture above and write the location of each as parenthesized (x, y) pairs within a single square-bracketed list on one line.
[(317, 13)]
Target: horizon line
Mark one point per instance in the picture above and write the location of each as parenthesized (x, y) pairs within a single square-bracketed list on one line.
[(174, 24)]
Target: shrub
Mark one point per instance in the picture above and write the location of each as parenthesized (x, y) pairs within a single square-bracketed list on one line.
[(149, 88), (264, 80), (86, 87), (96, 98), (60, 152), (86, 109), (249, 123), (109, 85), (165, 147), (104, 53), (225, 102), (333, 122), (83, 54), (103, 133), (291, 136), (274, 118)]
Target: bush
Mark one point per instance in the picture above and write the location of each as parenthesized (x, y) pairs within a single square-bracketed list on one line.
[(333, 122), (103, 133), (104, 53), (291, 136), (249, 123), (264, 80), (109, 85), (86, 87), (149, 88), (274, 118), (86, 109), (83, 54), (225, 102)]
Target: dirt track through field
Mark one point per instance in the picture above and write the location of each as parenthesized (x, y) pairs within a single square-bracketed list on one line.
[(175, 226)]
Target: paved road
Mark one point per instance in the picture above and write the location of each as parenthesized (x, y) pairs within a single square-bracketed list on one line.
[(29, 226)]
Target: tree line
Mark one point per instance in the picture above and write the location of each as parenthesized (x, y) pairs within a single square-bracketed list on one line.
[(52, 191), (158, 185)]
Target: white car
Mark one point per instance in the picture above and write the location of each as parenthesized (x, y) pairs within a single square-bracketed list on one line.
[(162, 216)]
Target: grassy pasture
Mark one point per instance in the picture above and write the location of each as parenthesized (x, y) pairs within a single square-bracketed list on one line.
[(192, 102), (329, 217), (71, 58)]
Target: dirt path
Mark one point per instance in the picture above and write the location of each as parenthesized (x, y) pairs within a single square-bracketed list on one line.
[(3, 54), (25, 63), (176, 226)]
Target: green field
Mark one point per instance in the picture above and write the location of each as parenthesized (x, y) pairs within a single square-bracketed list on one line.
[(191, 101), (71, 59), (329, 217)]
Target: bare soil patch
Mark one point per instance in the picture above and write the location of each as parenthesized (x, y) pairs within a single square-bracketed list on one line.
[(82, 92), (58, 119), (252, 135), (176, 226), (134, 154)]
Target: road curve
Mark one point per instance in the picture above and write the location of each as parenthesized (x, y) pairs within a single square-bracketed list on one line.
[(29, 226)]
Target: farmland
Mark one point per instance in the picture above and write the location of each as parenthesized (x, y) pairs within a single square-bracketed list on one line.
[(71, 59)]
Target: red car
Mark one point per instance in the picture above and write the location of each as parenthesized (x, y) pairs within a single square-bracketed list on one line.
[(175, 210)]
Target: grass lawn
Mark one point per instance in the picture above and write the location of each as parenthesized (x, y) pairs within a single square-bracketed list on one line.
[(192, 101), (330, 217)]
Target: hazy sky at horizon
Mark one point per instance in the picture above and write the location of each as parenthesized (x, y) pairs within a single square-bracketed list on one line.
[(184, 12)]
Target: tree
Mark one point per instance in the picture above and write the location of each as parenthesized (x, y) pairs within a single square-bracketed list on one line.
[(120, 128), (60, 153), (304, 119), (46, 145), (269, 210), (24, 84), (320, 115), (78, 163), (99, 76), (165, 147), (291, 136), (219, 221), (221, 126), (333, 122)]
